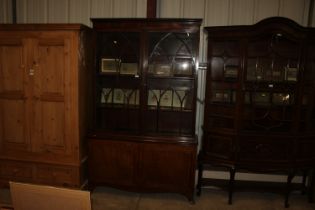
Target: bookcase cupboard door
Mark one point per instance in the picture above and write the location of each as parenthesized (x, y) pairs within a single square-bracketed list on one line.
[(157, 160), (113, 163), (14, 96)]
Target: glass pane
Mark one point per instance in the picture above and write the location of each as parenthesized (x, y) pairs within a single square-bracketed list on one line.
[(119, 53), (169, 99), (273, 58), (172, 54)]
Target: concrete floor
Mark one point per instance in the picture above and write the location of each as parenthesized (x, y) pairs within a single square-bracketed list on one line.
[(211, 199)]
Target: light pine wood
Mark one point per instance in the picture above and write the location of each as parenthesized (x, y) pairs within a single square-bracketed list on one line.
[(13, 96), (43, 96), (28, 196)]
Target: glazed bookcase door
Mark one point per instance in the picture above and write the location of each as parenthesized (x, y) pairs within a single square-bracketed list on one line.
[(118, 81), (225, 71), (14, 96), (307, 121), (170, 89), (273, 69)]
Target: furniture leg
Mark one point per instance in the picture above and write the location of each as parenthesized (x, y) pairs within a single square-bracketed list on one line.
[(231, 184), (199, 183), (305, 172), (288, 188), (311, 187)]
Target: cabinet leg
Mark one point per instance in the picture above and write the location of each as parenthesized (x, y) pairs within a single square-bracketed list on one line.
[(200, 171), (231, 184), (288, 189), (311, 187), (304, 187)]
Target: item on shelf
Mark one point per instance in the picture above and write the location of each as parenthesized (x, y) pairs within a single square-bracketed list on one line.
[(179, 98), (106, 95), (129, 68), (109, 65), (231, 72), (160, 69), (291, 74)]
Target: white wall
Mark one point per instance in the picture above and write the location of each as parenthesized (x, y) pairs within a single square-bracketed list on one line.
[(213, 13), (70, 11)]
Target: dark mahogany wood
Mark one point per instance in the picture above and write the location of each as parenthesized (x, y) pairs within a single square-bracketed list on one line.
[(151, 8), (143, 138), (259, 112)]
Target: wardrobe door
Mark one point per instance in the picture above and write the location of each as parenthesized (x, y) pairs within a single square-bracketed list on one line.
[(14, 96), (51, 102)]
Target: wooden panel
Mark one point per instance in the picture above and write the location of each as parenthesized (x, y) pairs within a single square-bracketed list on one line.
[(53, 122), (16, 171), (113, 162), (269, 150), (217, 12), (13, 113), (12, 66), (13, 129), (241, 12), (168, 167), (51, 57), (58, 11), (60, 176), (51, 130), (170, 9), (266, 8), (165, 158)]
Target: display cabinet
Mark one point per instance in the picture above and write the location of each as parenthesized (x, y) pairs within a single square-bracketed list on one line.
[(259, 112), (143, 138)]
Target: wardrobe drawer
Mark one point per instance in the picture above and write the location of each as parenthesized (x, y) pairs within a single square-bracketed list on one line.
[(16, 171), (56, 175)]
